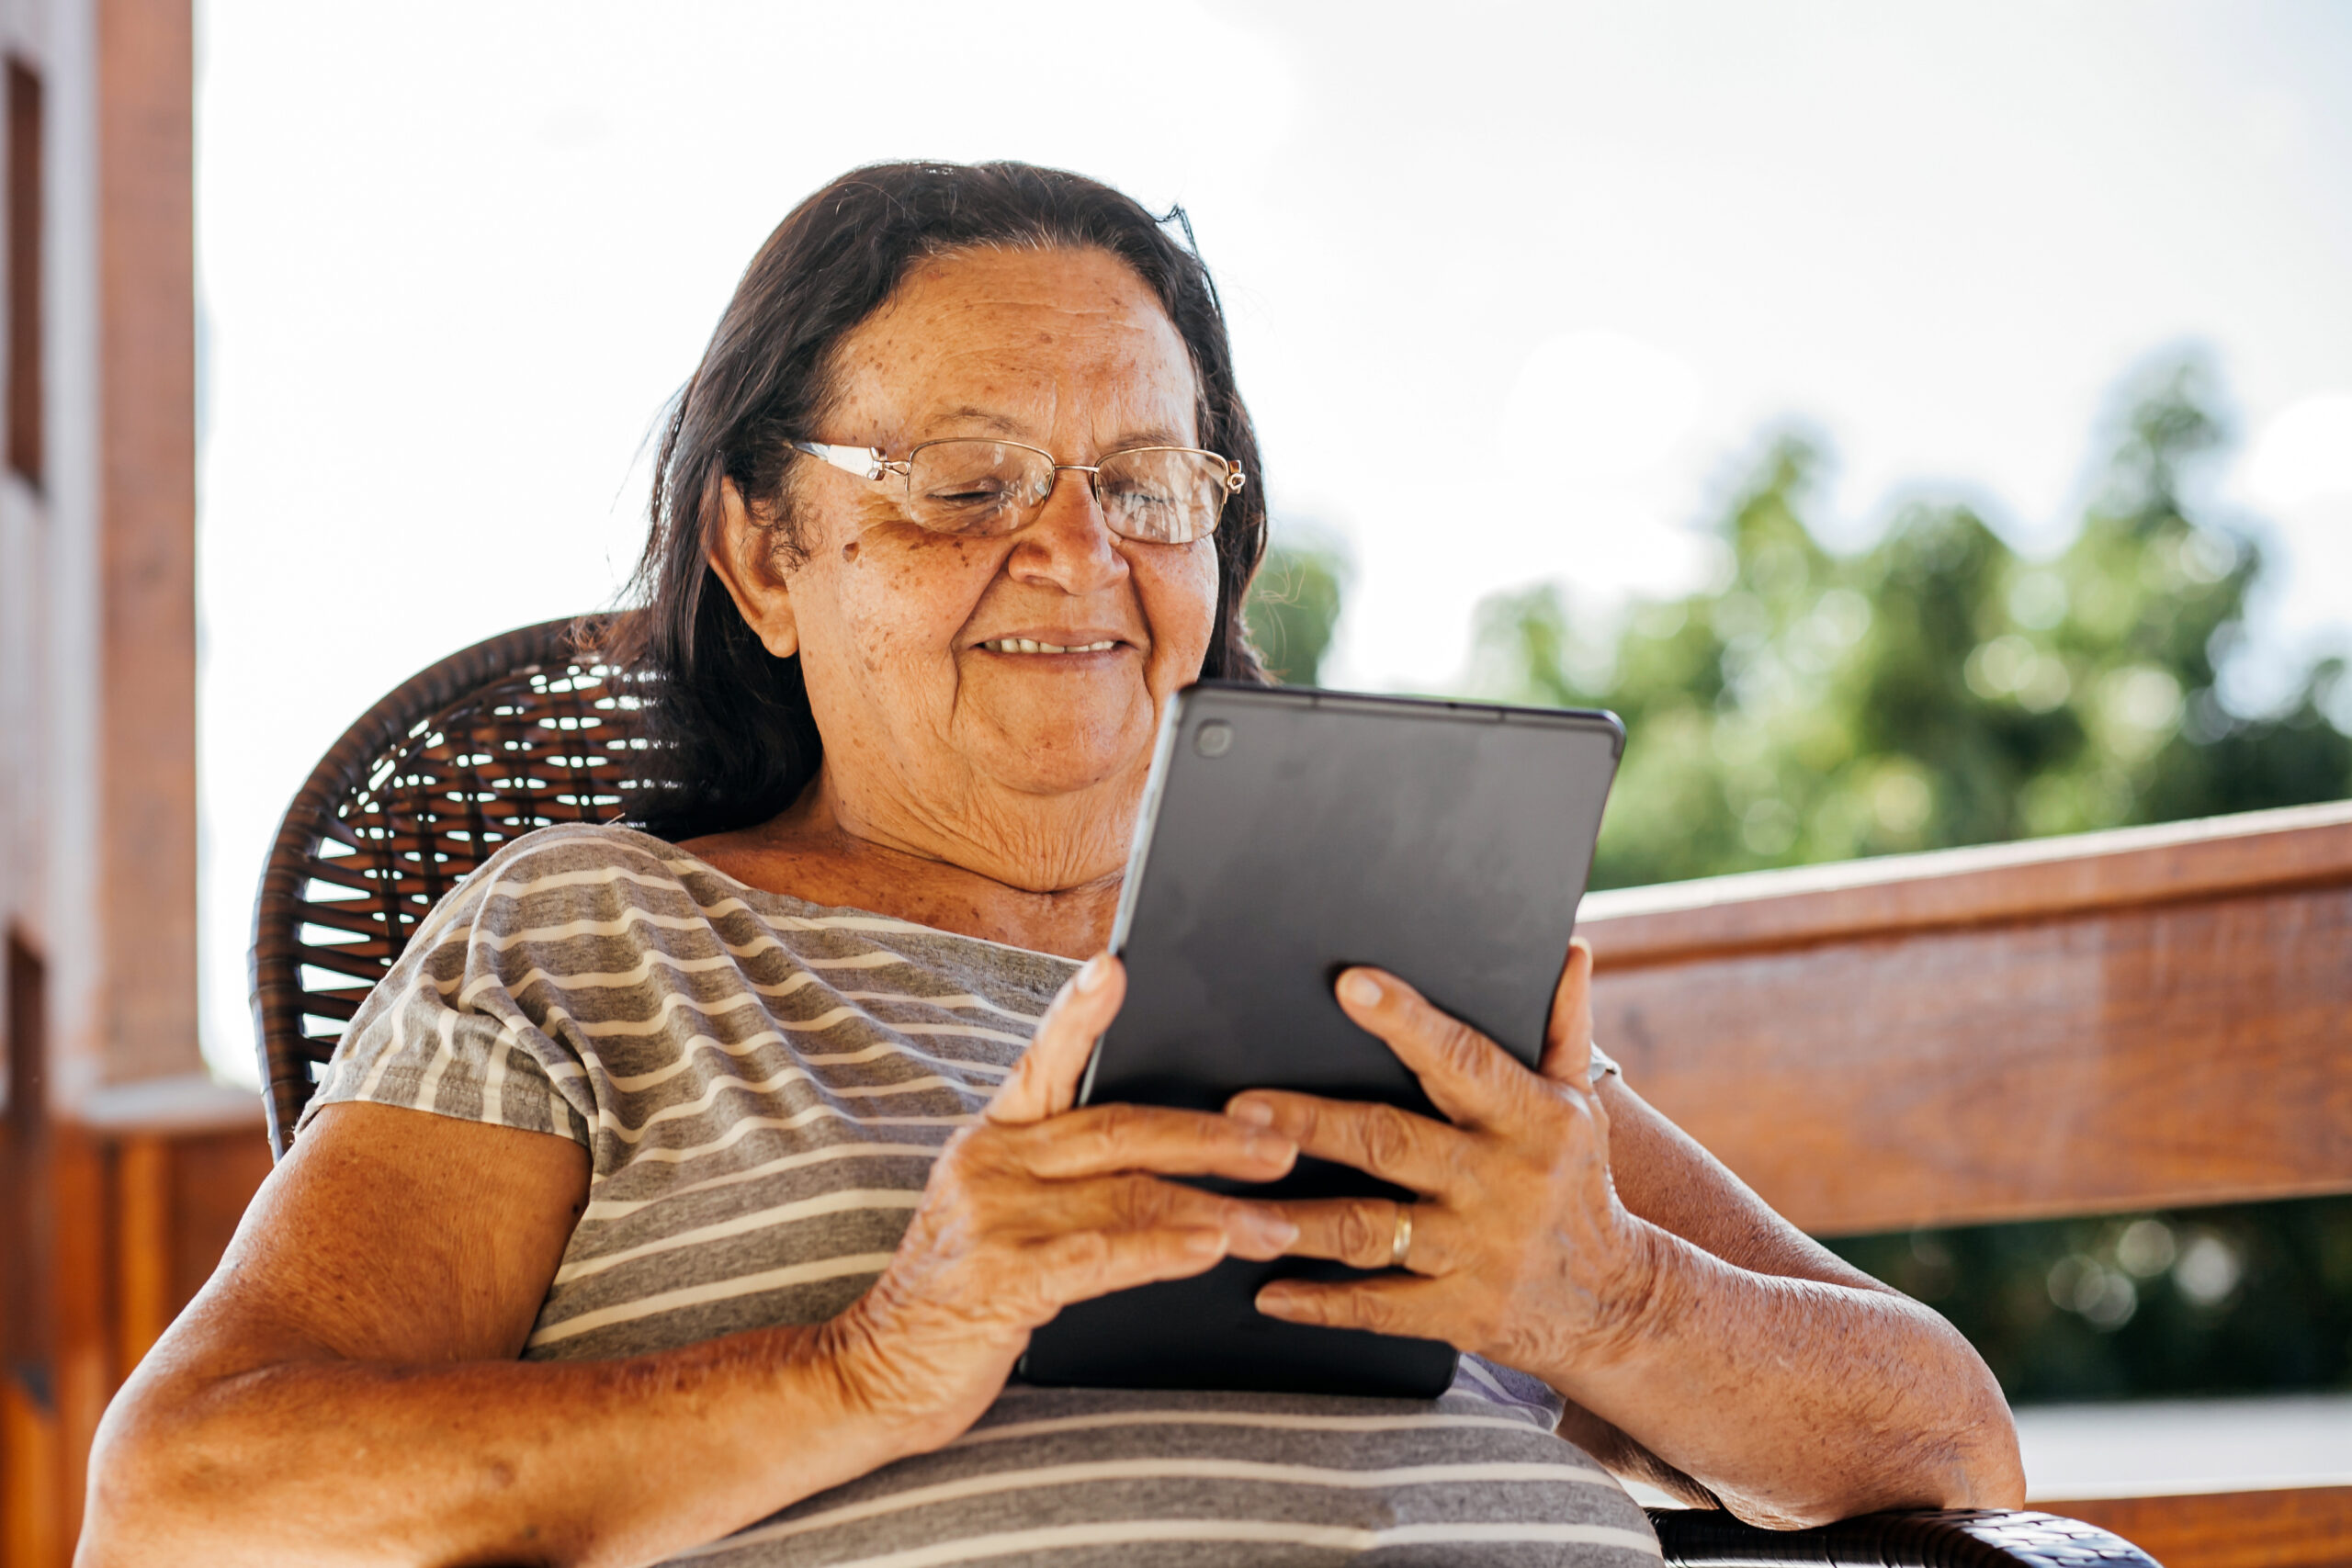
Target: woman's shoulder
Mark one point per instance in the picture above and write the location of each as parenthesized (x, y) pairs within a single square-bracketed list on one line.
[(575, 863), (553, 894), (572, 878)]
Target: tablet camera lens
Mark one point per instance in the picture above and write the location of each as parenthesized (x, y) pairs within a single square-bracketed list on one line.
[(1213, 738)]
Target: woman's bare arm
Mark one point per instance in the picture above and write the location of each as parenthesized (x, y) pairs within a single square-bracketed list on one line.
[(1964, 1435), (345, 1387), (346, 1390)]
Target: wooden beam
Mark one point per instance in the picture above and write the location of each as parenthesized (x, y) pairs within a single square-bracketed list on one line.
[(32, 1534), (2127, 868), (143, 1246), (2113, 1022), (146, 314), (2309, 1526), (82, 1354)]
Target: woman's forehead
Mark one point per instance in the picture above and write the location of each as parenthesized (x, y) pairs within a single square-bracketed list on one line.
[(1015, 343)]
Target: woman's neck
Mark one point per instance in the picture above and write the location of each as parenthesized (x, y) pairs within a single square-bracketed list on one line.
[(821, 850)]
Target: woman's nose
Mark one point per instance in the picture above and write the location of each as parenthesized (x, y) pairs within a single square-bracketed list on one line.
[(1070, 543)]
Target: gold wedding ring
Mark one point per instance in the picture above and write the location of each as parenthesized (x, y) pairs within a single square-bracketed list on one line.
[(1403, 1243)]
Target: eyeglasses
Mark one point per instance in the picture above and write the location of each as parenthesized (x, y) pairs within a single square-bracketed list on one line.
[(978, 489)]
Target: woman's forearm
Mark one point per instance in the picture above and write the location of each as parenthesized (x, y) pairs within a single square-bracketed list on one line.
[(1797, 1401), (605, 1462)]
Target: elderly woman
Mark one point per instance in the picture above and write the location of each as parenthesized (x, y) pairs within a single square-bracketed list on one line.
[(695, 1194)]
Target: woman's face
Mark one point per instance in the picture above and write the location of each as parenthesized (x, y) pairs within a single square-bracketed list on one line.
[(932, 725)]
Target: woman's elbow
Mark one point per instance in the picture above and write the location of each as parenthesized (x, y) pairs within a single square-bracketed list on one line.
[(1973, 1463), (1992, 1472), (153, 1486)]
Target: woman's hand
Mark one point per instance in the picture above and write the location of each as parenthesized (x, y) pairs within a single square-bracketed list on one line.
[(1518, 1248), (1039, 1205)]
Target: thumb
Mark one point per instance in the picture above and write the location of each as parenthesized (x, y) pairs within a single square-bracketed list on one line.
[(1045, 1081), (1568, 1039)]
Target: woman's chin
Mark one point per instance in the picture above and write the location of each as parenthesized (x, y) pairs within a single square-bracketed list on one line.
[(1066, 749), (1046, 762), (1079, 776)]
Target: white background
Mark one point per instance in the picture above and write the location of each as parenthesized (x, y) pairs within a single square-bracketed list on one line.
[(1515, 290)]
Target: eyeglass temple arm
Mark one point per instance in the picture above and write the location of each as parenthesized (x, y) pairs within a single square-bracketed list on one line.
[(865, 462)]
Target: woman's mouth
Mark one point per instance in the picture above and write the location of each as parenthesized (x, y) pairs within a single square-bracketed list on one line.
[(1031, 645)]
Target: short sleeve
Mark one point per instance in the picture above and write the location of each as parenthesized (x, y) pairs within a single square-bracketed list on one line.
[(442, 1033), (1603, 1066)]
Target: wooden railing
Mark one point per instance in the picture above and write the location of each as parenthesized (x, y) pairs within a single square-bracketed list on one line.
[(110, 1223), (2146, 1018)]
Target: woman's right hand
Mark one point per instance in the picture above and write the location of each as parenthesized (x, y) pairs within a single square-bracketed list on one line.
[(1038, 1205)]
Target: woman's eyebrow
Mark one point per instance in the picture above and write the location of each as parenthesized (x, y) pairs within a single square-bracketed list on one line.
[(1002, 424), (1012, 429), (1156, 435)]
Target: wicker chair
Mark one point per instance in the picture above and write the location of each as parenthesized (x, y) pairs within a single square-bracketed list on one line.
[(516, 733), (527, 729)]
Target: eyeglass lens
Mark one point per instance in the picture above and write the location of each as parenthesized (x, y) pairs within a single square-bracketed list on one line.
[(981, 488)]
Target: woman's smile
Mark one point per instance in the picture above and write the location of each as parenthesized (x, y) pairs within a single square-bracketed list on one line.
[(1049, 646)]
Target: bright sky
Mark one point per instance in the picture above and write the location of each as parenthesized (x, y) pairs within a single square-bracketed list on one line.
[(1514, 288)]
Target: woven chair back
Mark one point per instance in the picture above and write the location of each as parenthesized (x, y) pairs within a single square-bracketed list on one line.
[(518, 732)]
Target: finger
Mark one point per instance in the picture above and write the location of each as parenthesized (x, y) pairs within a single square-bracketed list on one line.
[(1393, 1304), (1097, 1140), (1567, 1038), (1082, 1265), (1466, 1076), (1361, 1232), (1045, 1081), (1120, 1203), (1396, 1145)]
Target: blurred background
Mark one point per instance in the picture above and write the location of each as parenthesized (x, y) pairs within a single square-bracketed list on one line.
[(1927, 426)]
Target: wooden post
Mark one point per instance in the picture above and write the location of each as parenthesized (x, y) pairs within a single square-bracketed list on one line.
[(143, 1246), (147, 519)]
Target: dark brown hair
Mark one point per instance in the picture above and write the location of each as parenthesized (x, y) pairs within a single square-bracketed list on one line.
[(734, 740)]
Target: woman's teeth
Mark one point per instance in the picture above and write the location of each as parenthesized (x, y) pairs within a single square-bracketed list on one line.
[(1029, 645)]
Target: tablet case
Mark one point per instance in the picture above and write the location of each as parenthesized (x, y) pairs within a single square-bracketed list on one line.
[(1285, 834)]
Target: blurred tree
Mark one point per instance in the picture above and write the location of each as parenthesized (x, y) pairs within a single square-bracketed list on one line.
[(1935, 689), (1294, 606)]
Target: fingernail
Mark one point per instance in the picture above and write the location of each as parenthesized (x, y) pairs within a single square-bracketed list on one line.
[(1256, 1112), (1359, 987), (1093, 972), (1274, 1230), (1270, 1148)]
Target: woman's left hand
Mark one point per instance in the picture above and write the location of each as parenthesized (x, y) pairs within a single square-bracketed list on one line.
[(1518, 1248)]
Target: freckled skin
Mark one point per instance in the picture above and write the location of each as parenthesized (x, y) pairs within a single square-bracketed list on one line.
[(983, 792)]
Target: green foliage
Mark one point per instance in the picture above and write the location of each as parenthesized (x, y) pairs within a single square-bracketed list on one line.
[(1935, 689), (1294, 606)]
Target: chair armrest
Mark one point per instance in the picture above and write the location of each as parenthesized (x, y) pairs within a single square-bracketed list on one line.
[(1953, 1538)]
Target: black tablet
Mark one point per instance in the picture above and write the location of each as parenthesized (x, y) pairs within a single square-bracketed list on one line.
[(1285, 835)]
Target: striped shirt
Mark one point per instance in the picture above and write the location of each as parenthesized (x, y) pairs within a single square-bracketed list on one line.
[(761, 1085)]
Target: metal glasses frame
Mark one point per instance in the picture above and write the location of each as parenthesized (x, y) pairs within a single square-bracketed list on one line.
[(869, 462)]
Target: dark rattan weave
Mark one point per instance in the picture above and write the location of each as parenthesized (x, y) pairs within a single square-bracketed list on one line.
[(1952, 1537), (523, 732), (511, 734)]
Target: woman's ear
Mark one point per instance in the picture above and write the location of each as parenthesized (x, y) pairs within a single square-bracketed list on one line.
[(740, 555)]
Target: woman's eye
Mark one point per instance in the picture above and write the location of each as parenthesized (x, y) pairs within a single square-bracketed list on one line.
[(1138, 495), (973, 494)]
